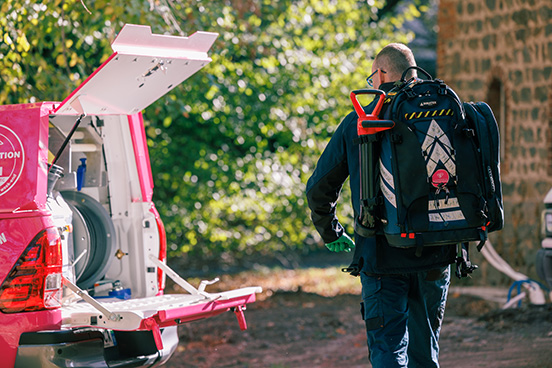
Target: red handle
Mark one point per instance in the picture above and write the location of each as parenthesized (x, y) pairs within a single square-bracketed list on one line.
[(370, 123), (151, 324), (241, 317)]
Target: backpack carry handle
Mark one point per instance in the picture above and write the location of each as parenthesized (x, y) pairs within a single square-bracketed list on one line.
[(370, 123), (403, 77)]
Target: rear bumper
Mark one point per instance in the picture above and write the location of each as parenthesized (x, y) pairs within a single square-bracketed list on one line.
[(91, 348)]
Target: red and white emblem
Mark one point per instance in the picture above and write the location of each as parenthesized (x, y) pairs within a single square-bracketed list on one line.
[(12, 159), (440, 178)]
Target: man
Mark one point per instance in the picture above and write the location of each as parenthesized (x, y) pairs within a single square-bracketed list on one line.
[(403, 294)]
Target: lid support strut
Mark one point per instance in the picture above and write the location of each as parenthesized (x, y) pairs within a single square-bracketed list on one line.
[(67, 139), (183, 283), (84, 295)]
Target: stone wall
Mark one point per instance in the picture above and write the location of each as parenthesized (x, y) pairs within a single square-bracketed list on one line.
[(500, 51)]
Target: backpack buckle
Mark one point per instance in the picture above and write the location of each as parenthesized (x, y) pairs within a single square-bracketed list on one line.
[(442, 88), (470, 133), (464, 267), (410, 94), (396, 138)]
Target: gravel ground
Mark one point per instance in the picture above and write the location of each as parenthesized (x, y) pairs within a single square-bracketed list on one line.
[(304, 329)]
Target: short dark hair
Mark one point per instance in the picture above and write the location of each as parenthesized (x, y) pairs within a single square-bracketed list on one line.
[(395, 58)]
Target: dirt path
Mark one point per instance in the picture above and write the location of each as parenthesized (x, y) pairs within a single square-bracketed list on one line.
[(298, 329)]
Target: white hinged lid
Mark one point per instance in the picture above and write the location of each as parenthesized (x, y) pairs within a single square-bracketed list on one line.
[(143, 67)]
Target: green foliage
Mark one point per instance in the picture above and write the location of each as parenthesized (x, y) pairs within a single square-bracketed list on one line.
[(48, 48), (231, 148)]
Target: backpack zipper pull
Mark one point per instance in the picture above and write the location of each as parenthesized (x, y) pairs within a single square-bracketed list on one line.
[(436, 200)]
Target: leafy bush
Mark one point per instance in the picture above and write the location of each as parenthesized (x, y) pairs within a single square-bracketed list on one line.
[(232, 148)]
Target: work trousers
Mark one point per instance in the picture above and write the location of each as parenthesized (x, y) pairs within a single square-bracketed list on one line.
[(403, 315)]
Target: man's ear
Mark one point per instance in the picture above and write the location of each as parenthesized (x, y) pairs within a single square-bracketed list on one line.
[(383, 77)]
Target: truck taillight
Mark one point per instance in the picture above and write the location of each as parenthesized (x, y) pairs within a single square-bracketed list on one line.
[(547, 223), (34, 282), (162, 250)]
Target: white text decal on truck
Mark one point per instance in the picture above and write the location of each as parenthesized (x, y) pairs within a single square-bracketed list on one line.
[(12, 159)]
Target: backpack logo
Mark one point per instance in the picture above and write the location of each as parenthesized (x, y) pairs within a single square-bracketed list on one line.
[(440, 178), (427, 104)]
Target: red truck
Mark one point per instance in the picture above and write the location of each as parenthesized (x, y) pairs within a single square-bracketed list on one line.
[(82, 246)]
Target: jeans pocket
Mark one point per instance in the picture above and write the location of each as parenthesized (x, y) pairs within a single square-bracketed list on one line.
[(370, 307)]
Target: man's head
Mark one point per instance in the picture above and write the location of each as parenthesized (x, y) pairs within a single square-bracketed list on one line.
[(391, 62)]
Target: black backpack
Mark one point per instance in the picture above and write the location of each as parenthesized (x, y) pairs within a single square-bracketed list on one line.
[(430, 169)]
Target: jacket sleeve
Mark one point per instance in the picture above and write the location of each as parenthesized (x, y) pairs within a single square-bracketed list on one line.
[(326, 182)]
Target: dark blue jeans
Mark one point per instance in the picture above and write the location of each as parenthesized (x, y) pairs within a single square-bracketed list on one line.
[(403, 315)]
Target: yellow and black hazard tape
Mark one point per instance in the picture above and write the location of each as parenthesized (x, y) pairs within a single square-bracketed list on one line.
[(427, 114), (389, 97)]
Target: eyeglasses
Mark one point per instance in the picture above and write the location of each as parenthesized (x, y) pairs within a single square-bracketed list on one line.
[(370, 81)]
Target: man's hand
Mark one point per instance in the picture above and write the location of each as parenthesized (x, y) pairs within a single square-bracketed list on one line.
[(343, 244)]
